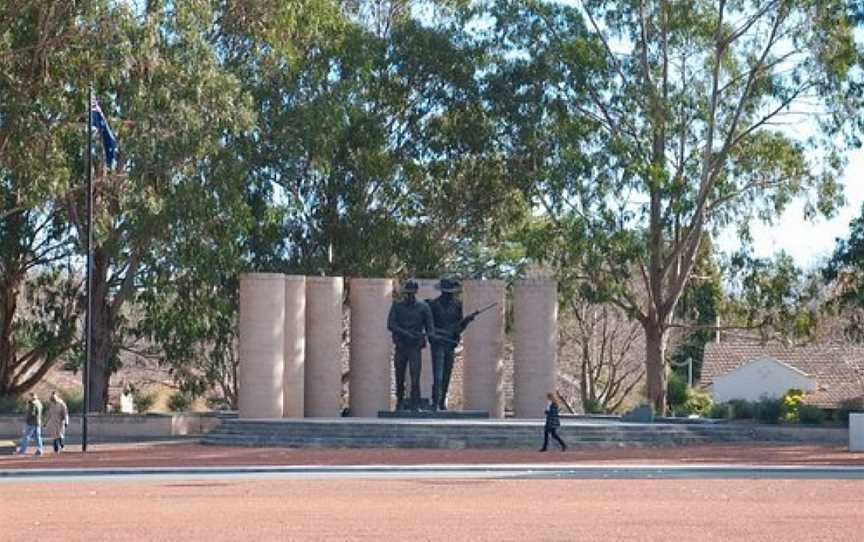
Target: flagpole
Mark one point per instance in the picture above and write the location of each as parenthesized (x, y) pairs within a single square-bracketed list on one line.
[(88, 331)]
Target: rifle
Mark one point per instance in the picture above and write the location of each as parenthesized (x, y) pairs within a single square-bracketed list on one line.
[(462, 324), (474, 314)]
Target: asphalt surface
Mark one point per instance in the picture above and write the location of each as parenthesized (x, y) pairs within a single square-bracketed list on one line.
[(387, 472)]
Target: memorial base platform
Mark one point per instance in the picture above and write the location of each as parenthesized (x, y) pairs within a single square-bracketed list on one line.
[(468, 433), (434, 414)]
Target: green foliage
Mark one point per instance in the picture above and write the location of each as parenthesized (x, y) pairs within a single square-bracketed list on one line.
[(179, 401), (768, 410), (775, 297), (849, 405), (143, 401), (810, 414), (720, 411), (74, 400), (676, 390), (742, 409), (845, 273), (217, 402), (791, 403), (12, 405)]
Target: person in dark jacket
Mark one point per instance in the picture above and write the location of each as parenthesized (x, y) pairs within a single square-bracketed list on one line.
[(32, 426), (553, 422)]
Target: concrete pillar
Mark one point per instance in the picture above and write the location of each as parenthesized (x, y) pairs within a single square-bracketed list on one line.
[(323, 371), (295, 346), (262, 343), (483, 366), (371, 346), (426, 292), (535, 333)]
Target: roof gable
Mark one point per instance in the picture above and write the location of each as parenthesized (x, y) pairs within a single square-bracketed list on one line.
[(765, 359), (832, 366)]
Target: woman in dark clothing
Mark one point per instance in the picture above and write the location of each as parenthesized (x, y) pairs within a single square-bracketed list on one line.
[(553, 422)]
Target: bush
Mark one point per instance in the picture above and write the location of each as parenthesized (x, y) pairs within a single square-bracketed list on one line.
[(217, 402), (698, 402), (179, 401), (13, 405), (143, 401), (74, 400), (810, 414), (742, 409), (768, 410), (721, 411), (849, 405), (676, 390), (791, 403)]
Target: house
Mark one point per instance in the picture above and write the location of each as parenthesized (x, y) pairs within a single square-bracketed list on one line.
[(828, 374)]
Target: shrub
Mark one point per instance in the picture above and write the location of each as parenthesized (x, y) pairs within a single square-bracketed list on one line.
[(810, 414), (742, 409), (179, 401), (790, 405), (593, 406), (676, 390), (849, 405), (768, 410), (721, 411), (217, 402), (143, 401), (13, 405), (74, 400), (698, 402)]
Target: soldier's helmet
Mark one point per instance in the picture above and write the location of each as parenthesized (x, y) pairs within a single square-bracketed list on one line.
[(410, 287)]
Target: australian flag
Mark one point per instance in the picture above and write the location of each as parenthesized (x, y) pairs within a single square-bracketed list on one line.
[(109, 142)]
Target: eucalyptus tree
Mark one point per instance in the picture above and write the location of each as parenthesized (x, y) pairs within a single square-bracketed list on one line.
[(171, 105), (681, 122), (372, 140), (39, 119)]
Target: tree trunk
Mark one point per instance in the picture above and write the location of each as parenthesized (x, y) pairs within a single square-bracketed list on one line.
[(655, 365), (100, 372), (102, 348), (8, 301)]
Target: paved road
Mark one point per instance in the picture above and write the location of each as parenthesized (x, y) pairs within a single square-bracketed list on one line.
[(426, 472), (435, 509)]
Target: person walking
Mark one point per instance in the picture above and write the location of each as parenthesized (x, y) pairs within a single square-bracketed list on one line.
[(32, 426), (56, 421), (553, 422)]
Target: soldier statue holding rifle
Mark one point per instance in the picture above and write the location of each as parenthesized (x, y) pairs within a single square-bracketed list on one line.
[(410, 322), (449, 325)]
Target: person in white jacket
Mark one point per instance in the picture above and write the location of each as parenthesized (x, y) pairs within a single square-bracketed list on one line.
[(56, 420)]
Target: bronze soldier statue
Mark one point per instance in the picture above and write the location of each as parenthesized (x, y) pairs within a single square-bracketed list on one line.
[(449, 325), (410, 322)]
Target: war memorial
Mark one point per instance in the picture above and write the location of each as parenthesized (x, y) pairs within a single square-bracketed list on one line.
[(291, 333)]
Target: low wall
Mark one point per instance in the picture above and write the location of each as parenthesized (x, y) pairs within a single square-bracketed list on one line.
[(126, 426)]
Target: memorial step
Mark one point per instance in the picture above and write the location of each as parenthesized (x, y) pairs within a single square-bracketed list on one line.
[(464, 433)]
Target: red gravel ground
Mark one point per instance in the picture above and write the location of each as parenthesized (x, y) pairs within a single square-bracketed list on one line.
[(185, 454), (451, 510)]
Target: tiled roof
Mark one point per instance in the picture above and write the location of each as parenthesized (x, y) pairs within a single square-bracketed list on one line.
[(832, 366)]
